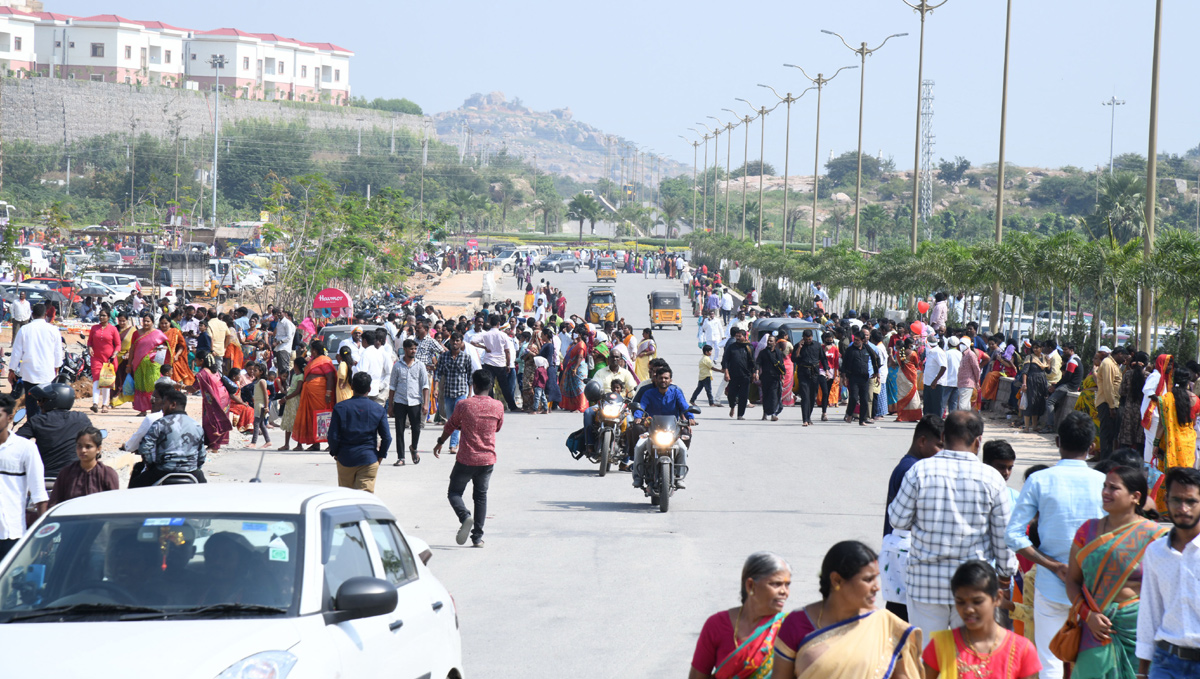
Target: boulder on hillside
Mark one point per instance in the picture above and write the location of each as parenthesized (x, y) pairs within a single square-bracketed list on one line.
[(841, 198)]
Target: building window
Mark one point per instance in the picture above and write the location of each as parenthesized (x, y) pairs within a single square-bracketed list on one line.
[(58, 43), (218, 88), (193, 57), (246, 63), (167, 57), (96, 78), (281, 68), (128, 80), (337, 75), (72, 45), (70, 76), (16, 44), (97, 49), (303, 71), (128, 51)]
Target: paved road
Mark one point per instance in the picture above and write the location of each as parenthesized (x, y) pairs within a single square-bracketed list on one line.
[(580, 573)]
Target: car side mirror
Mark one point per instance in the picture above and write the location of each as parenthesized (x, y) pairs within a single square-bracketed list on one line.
[(362, 597)]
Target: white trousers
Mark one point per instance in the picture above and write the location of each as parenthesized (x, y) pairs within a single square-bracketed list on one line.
[(930, 618), (1048, 618), (965, 396), (100, 395)]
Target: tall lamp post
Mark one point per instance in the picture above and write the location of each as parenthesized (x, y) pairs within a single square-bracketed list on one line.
[(695, 152), (923, 7), (716, 166), (820, 81), (703, 191), (762, 148), (863, 52), (787, 147), (997, 308), (218, 62), (728, 143), (745, 159), (1151, 181), (1112, 130)]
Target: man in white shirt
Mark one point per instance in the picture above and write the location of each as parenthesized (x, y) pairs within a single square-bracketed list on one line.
[(21, 477), (726, 307), (950, 381), (36, 356), (354, 341), (1168, 624), (712, 333), (935, 376), (498, 357), (21, 312), (285, 335), (155, 414), (374, 363)]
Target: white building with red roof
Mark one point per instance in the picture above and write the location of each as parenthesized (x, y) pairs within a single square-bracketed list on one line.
[(270, 66), (17, 39)]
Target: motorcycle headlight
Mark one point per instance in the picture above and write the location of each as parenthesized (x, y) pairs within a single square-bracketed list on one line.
[(664, 438), (611, 410), (265, 665)]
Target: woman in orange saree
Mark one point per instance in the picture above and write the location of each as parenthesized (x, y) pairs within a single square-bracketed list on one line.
[(181, 371), (909, 405), (315, 395)]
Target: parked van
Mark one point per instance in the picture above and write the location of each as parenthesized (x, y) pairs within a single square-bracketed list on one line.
[(35, 258)]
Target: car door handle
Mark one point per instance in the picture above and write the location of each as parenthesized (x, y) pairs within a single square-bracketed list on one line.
[(437, 606), (395, 625)]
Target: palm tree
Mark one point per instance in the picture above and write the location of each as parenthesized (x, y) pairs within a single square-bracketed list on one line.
[(669, 213), (584, 208), (460, 203), (873, 218), (1120, 212)]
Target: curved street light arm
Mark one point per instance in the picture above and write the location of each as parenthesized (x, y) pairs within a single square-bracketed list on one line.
[(773, 91), (752, 108), (844, 68), (924, 6), (839, 37)]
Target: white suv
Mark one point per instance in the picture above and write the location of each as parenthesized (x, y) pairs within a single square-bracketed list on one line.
[(277, 580)]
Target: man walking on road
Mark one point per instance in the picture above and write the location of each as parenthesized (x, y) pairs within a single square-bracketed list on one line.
[(957, 509), (935, 373), (1108, 390), (454, 374), (738, 366), (359, 436), (478, 418), (21, 313), (21, 481), (497, 357), (285, 334), (1062, 498), (860, 364), (406, 399), (808, 359), (36, 356)]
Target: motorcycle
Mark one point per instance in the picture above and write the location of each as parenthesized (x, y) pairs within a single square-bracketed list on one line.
[(74, 365), (612, 416), (664, 441)]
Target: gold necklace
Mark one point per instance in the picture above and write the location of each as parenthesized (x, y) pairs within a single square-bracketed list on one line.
[(971, 645)]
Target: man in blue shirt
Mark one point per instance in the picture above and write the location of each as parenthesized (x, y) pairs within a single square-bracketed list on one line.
[(359, 436), (665, 399), (1062, 498)]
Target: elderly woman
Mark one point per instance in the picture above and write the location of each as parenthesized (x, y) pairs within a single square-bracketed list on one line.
[(738, 643), (316, 395), (843, 636)]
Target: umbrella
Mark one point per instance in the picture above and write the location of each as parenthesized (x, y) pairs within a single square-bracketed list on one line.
[(94, 292), (36, 295)]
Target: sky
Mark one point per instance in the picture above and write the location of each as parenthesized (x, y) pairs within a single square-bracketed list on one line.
[(650, 70)]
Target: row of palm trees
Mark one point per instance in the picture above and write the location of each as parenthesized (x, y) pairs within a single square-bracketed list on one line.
[(585, 208), (1063, 272)]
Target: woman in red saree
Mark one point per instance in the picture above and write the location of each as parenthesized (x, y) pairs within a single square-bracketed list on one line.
[(574, 375), (181, 371), (215, 412), (909, 405), (739, 643), (316, 394), (149, 354)]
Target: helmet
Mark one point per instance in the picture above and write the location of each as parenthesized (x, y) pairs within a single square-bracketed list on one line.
[(593, 391), (53, 396)]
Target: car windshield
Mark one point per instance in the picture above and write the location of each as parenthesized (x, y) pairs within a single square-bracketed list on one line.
[(120, 566), (666, 302), (602, 298), (505, 254)]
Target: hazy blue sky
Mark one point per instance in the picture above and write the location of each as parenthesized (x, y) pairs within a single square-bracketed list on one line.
[(649, 70)]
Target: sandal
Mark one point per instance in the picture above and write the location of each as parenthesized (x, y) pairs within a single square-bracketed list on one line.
[(95, 408), (103, 409), (398, 463), (416, 457)]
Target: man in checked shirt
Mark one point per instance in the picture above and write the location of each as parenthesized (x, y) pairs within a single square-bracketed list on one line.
[(428, 352), (957, 509)]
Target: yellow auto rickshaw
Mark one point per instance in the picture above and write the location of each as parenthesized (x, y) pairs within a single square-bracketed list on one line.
[(606, 270), (665, 309), (601, 305)]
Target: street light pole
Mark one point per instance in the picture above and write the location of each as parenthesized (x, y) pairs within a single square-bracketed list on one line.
[(762, 149), (728, 128), (820, 81), (923, 7), (716, 147), (787, 148), (997, 310), (218, 62), (1112, 130), (863, 52), (695, 151), (1147, 300), (704, 191), (745, 152)]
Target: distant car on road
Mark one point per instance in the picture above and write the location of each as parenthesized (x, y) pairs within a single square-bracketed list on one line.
[(559, 262)]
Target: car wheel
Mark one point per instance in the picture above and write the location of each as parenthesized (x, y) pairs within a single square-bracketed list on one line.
[(507, 268), (558, 269), (576, 268)]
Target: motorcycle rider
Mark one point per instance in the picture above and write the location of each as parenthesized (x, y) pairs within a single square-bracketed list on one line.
[(612, 372), (55, 428), (665, 399)]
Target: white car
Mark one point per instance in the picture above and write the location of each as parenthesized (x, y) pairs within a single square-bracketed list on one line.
[(274, 580), (124, 284)]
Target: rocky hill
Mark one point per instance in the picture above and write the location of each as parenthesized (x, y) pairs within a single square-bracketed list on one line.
[(563, 145)]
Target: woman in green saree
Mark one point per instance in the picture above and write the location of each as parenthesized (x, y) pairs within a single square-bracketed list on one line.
[(1106, 561)]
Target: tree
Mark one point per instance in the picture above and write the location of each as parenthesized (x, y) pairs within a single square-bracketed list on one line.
[(393, 105), (1074, 193), (844, 168), (952, 172), (1120, 214), (669, 213), (874, 218), (753, 168), (584, 208)]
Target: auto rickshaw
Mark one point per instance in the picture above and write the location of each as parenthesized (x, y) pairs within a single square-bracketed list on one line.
[(606, 270), (601, 305), (665, 309)]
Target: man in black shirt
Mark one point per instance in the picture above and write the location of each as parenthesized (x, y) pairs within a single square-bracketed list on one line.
[(1072, 380), (809, 358), (56, 427), (738, 365), (859, 364), (770, 367)]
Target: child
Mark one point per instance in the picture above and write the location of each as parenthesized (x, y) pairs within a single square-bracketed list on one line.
[(540, 378), (706, 370), (291, 401), (86, 476), (261, 397), (981, 648), (1000, 456), (165, 375)]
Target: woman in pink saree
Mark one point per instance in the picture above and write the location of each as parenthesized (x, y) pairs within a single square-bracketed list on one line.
[(150, 353), (215, 413)]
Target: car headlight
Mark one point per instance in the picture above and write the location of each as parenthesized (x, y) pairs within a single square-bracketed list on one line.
[(265, 665), (664, 438), (611, 410)]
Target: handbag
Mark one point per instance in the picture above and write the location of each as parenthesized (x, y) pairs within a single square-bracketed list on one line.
[(1065, 644), (321, 420), (108, 375)]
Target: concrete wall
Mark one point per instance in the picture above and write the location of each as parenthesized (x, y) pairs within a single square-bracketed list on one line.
[(52, 111)]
